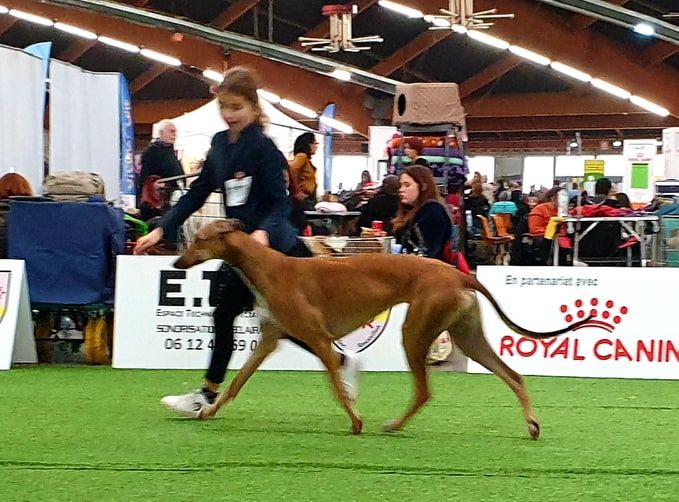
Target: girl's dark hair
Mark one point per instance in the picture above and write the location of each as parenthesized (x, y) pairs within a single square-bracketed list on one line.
[(303, 143), (243, 82)]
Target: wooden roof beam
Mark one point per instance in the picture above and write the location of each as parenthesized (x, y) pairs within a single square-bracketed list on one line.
[(570, 123), (417, 46), (489, 74), (234, 12), (76, 49)]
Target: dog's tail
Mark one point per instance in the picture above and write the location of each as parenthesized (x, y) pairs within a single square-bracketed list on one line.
[(472, 283)]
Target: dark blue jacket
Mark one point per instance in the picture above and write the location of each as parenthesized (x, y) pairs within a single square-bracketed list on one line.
[(267, 205), (428, 233)]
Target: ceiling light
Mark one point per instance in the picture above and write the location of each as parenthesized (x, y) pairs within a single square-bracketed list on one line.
[(213, 75), (571, 72), (336, 124), (659, 142), (617, 143), (341, 75), (529, 55), (610, 88), (159, 56), (401, 9), (297, 108), (644, 29), (458, 28), (573, 144), (437, 21), (269, 96), (3, 9), (31, 17), (120, 45), (74, 30), (487, 39), (651, 107)]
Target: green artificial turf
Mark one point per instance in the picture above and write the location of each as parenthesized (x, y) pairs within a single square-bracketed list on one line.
[(83, 433)]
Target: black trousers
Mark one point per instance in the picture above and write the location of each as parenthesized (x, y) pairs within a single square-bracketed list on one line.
[(232, 298)]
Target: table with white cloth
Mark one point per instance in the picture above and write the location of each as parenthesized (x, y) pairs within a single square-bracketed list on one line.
[(634, 225)]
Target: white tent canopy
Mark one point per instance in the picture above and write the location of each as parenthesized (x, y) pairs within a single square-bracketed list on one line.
[(196, 128)]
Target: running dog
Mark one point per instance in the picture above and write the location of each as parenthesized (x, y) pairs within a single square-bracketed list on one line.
[(318, 300)]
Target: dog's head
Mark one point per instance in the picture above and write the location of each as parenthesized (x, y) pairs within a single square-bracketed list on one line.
[(208, 243)]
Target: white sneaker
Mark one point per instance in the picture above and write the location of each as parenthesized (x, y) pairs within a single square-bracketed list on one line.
[(349, 374), (189, 405)]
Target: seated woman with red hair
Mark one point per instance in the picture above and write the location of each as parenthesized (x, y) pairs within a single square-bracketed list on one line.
[(153, 202)]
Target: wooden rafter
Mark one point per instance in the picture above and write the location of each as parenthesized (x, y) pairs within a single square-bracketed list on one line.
[(76, 50), (581, 22), (147, 76), (417, 46), (6, 22), (489, 75)]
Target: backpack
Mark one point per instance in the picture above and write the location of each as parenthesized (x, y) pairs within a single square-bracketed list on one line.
[(76, 186)]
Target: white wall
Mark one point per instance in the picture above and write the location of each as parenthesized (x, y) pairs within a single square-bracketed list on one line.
[(485, 166), (346, 169), (537, 171), (22, 115)]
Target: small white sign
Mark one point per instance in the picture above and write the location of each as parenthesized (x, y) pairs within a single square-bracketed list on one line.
[(17, 344), (163, 320), (632, 332)]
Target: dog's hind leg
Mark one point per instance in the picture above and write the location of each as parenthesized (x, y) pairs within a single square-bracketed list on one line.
[(468, 334), (270, 336), (420, 329), (322, 346)]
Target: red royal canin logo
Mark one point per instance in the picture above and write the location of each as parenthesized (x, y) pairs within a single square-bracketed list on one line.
[(605, 315)]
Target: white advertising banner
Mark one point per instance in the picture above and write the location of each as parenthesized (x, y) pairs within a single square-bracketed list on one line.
[(633, 331), (163, 320), (17, 344)]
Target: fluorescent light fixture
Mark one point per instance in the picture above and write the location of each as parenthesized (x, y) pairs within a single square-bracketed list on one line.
[(571, 72), (159, 56), (269, 96), (610, 88), (658, 142), (651, 107), (644, 29), (487, 39), (74, 30), (529, 55), (213, 75), (437, 21), (573, 144), (3, 9), (341, 75), (120, 45), (401, 9), (617, 143), (458, 28), (336, 124), (297, 108), (31, 17)]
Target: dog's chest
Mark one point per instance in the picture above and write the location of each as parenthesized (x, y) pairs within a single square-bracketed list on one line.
[(262, 309)]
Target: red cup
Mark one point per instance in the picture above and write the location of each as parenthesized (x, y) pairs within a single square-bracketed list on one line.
[(378, 225)]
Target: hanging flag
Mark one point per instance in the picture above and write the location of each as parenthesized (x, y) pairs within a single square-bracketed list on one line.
[(128, 188), (328, 111)]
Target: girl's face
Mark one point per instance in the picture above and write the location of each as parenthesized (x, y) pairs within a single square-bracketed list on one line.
[(532, 202), (408, 190), (314, 147), (237, 111), (410, 152)]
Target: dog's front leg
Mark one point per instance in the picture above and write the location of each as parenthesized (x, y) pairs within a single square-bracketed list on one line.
[(270, 335)]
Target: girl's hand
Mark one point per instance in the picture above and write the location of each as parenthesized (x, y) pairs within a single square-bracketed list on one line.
[(148, 241)]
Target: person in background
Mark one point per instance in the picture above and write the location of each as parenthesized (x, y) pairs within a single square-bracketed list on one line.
[(13, 185), (504, 205), (303, 172), (478, 205), (154, 202), (603, 193), (538, 219), (422, 225), (623, 200), (382, 207), (159, 158), (366, 181), (413, 148), (248, 165)]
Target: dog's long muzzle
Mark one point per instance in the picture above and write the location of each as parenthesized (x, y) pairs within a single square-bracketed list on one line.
[(181, 263)]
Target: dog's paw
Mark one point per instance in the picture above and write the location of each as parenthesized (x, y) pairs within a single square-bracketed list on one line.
[(392, 426), (534, 429), (357, 426)]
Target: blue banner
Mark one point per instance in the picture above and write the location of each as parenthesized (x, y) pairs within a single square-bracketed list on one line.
[(127, 176), (328, 111)]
